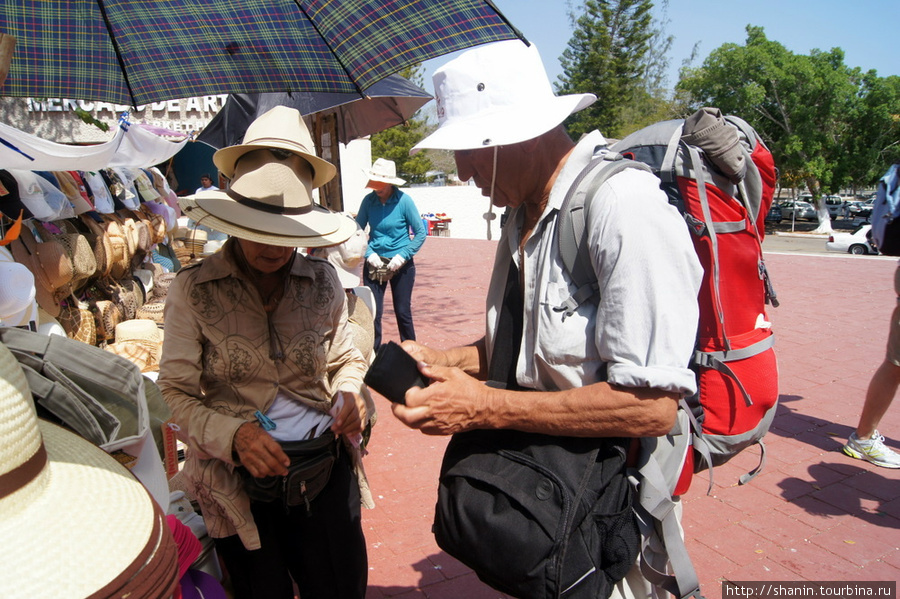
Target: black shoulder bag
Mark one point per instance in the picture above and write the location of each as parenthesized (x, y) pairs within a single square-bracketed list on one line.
[(535, 515)]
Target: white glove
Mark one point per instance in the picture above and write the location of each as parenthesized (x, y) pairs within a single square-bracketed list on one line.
[(374, 260), (396, 262)]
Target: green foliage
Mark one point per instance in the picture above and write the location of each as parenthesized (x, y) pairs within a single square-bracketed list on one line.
[(607, 56), (395, 143), (829, 126)]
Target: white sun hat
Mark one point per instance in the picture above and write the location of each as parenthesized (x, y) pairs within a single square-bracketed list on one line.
[(385, 171), (494, 95), (270, 197), (75, 522), (17, 292)]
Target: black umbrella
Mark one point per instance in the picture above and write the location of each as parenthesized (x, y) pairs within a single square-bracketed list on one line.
[(388, 102)]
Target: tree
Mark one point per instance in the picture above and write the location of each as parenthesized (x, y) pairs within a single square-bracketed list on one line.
[(395, 143), (799, 104), (606, 56)]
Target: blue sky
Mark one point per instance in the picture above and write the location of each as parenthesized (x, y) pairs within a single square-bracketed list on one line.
[(865, 29)]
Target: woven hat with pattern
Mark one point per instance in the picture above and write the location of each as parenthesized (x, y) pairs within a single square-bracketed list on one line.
[(74, 522), (138, 340)]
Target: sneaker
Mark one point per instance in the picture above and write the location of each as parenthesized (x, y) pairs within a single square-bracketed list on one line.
[(873, 450)]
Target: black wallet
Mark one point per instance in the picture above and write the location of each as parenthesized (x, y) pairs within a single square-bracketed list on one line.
[(393, 371)]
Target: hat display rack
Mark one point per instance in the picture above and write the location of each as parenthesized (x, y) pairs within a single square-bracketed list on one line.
[(101, 247)]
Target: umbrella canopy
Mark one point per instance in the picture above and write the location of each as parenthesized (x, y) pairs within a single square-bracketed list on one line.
[(389, 102), (135, 52)]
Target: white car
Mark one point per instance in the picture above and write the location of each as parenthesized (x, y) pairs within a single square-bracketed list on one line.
[(853, 243)]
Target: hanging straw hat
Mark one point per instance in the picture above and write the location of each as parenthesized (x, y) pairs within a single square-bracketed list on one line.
[(384, 171), (270, 198), (496, 94), (75, 522), (138, 340)]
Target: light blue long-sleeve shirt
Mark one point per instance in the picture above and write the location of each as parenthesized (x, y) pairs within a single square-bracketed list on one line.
[(389, 225)]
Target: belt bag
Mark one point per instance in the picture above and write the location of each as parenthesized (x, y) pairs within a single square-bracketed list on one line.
[(309, 472), (537, 516)]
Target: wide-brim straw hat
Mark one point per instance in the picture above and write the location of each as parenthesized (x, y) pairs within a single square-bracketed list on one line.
[(384, 171), (496, 94), (140, 341), (282, 128), (75, 522), (270, 198)]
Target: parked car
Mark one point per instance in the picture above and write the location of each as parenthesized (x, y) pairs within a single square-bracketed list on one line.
[(856, 242), (796, 210), (774, 214), (835, 205), (861, 209)]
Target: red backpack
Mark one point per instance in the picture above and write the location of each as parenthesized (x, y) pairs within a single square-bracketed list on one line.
[(721, 177)]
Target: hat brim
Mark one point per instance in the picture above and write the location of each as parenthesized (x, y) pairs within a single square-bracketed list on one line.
[(87, 525), (316, 228), (389, 180), (503, 127), (226, 158)]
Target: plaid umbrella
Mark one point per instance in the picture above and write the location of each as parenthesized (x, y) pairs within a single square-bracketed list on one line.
[(135, 52), (389, 102)]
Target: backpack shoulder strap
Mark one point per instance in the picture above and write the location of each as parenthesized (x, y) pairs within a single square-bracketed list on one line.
[(571, 228)]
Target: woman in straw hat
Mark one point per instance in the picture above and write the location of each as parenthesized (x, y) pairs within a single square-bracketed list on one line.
[(390, 214), (258, 358)]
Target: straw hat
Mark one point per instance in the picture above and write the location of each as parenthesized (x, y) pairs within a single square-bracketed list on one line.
[(347, 258), (51, 267), (75, 522), (385, 171), (496, 94), (140, 341), (270, 197), (281, 127)]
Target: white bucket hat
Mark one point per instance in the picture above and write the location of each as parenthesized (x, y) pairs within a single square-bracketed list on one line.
[(270, 198), (385, 171), (75, 522), (494, 95), (347, 258)]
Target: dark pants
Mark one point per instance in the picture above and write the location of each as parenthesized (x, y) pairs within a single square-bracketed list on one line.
[(401, 293), (324, 553)]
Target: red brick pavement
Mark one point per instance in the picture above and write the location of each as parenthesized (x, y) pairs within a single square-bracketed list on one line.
[(813, 514)]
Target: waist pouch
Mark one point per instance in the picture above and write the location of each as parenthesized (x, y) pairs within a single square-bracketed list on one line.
[(309, 472), (537, 516)]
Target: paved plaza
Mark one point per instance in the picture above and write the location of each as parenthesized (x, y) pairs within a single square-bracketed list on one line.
[(812, 515)]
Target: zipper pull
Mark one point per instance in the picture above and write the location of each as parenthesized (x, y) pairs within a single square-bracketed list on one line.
[(305, 498)]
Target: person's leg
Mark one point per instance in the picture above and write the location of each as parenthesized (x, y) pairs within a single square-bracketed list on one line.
[(401, 294), (879, 396), (326, 550), (378, 292), (866, 443), (262, 573)]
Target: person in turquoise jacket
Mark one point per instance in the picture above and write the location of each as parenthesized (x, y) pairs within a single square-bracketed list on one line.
[(390, 215)]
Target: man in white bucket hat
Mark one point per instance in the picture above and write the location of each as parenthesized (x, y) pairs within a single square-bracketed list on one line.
[(614, 367), (262, 375)]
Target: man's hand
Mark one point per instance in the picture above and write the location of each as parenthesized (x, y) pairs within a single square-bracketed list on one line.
[(452, 403), (259, 453)]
